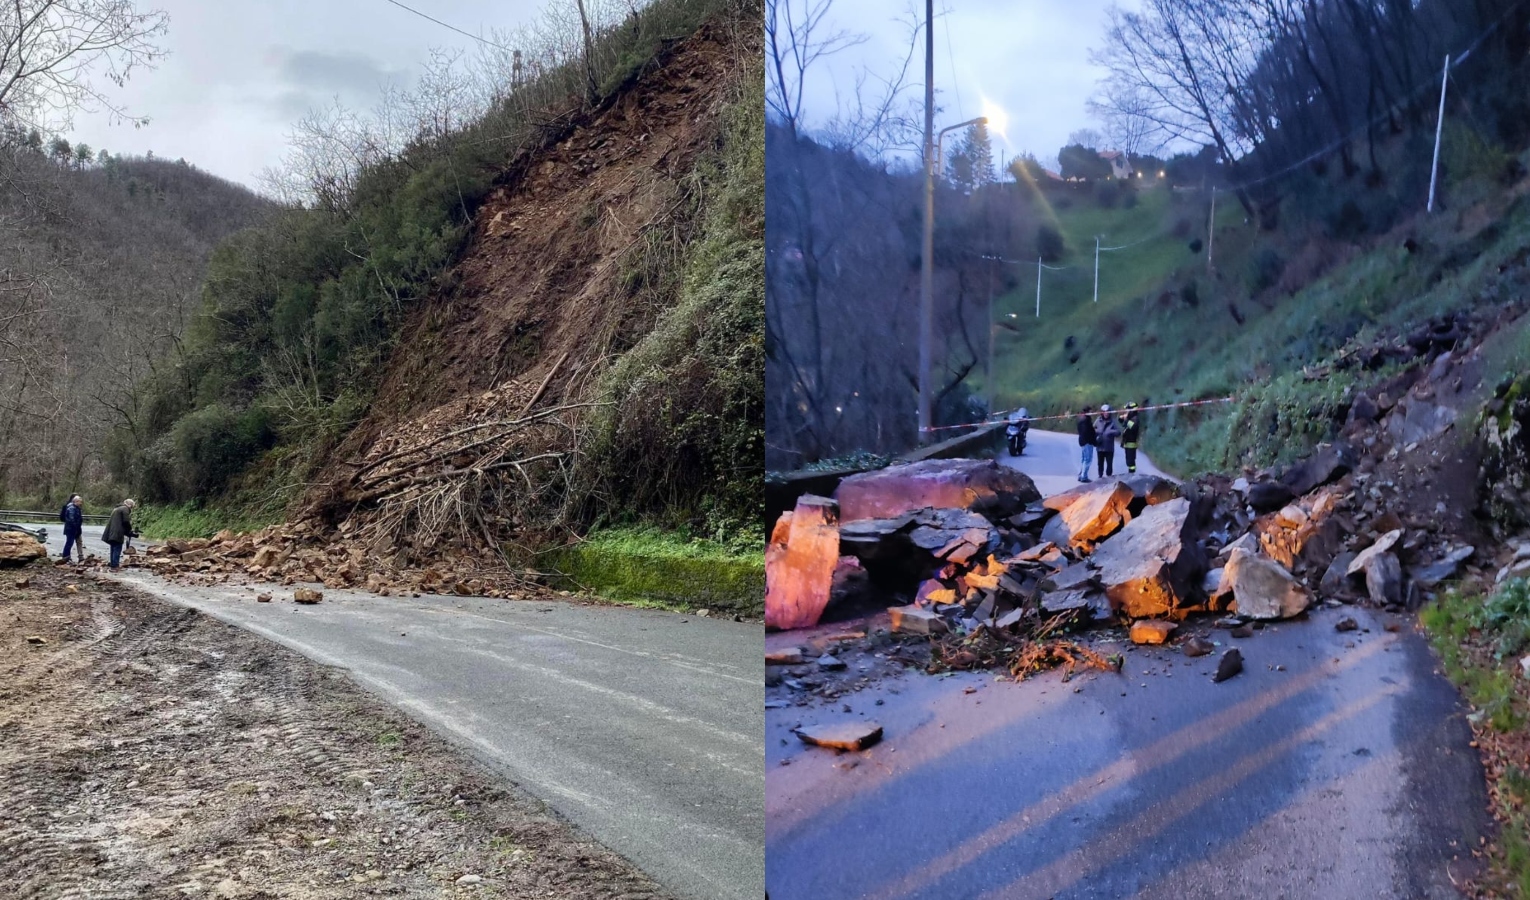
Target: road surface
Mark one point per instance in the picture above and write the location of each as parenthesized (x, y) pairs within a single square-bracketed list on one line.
[(1336, 766), (641, 726), (1052, 460)]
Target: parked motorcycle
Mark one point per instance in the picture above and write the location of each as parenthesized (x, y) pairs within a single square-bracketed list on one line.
[(1015, 432)]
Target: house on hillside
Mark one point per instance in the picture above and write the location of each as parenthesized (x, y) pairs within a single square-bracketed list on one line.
[(1120, 166)]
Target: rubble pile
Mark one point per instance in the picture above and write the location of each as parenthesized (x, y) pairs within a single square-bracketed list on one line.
[(18, 548)]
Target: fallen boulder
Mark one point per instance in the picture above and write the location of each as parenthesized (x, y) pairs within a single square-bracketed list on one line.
[(1329, 463), (1151, 631), (915, 619), (1261, 588), (980, 485), (1442, 569), (1153, 566), (799, 564), (1383, 579), (306, 595), (1268, 496), (1149, 490), (1382, 545), (17, 549), (1230, 665), (1091, 518)]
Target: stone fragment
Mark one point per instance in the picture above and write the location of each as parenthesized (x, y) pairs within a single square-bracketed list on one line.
[(18, 549), (791, 656), (1242, 631), (831, 663), (1197, 646), (917, 620), (1153, 566), (1262, 589), (1151, 631), (1444, 568), (1268, 496), (1092, 518), (1329, 463), (1335, 579), (1347, 623), (1383, 579), (841, 735), (1382, 545), (1231, 664), (1074, 577), (307, 595), (263, 598), (34, 639), (799, 571)]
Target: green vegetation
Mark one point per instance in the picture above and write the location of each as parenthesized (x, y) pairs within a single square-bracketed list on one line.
[(1479, 641), (187, 520), (640, 566), (1163, 331)]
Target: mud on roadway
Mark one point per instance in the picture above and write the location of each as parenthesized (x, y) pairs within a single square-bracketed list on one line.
[(149, 751)]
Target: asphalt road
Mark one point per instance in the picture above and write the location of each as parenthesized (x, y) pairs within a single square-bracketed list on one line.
[(1052, 460), (641, 726), (1336, 766)]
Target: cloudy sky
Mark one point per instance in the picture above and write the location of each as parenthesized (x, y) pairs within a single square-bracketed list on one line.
[(1029, 57), (240, 72)]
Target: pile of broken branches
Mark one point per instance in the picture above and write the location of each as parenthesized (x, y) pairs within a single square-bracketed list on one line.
[(1022, 655)]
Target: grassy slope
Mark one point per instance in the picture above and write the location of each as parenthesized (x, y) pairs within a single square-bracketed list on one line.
[(1145, 341)]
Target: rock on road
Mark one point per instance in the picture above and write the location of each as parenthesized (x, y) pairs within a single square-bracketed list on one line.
[(641, 726), (1336, 766)]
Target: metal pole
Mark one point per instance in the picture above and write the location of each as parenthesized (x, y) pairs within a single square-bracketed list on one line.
[(1439, 126), (926, 258), (1211, 234), (988, 370), (1038, 287), (1097, 268)]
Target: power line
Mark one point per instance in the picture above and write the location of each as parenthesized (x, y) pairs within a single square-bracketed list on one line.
[(446, 25)]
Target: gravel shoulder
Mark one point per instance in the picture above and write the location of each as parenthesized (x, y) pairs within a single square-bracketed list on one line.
[(147, 750)]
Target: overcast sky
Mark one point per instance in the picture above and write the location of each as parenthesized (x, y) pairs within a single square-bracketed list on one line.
[(1030, 57), (241, 72)]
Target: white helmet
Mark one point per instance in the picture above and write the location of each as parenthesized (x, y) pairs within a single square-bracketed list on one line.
[(1104, 407)]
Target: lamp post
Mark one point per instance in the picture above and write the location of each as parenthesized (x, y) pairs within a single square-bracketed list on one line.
[(927, 279)]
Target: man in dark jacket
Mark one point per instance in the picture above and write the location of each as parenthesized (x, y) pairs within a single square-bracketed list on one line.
[(1131, 433), (73, 518), (1086, 441), (1107, 431), (119, 529)]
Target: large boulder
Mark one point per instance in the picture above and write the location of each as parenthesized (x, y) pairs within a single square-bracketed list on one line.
[(1268, 496), (1149, 490), (17, 549), (1262, 588), (799, 564), (1153, 566), (1091, 518), (1415, 420), (983, 486), (1330, 462)]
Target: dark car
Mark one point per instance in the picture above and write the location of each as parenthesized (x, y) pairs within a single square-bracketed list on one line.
[(40, 533)]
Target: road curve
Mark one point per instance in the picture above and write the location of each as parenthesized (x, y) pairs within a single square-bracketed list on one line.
[(641, 726)]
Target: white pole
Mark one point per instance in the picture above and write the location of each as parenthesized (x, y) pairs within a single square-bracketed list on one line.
[(1211, 233), (1038, 287), (1439, 126), (1097, 268)]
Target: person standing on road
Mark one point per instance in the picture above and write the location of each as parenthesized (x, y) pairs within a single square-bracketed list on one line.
[(1107, 431), (1086, 441), (118, 529), (1131, 433), (73, 518)]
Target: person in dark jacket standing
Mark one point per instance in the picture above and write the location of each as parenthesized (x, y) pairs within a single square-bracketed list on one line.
[(1131, 434), (1108, 431), (73, 518), (1086, 441), (119, 529)]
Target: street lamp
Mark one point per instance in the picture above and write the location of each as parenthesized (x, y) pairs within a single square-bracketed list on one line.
[(927, 279)]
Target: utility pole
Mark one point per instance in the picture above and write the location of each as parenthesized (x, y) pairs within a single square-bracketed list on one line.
[(1097, 268), (988, 369), (1439, 126), (926, 257), (1038, 287), (1211, 234)]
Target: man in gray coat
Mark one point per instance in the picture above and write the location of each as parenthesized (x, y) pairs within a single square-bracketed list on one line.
[(118, 529), (1106, 432)]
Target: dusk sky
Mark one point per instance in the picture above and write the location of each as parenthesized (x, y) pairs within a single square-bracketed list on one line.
[(240, 74), (1030, 57)]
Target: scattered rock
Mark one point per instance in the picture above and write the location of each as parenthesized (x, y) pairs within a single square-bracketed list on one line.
[(792, 656), (17, 549), (1091, 518), (1243, 631), (1383, 579), (1231, 664), (917, 620), (841, 735), (1078, 576), (1346, 624), (1329, 463), (307, 596), (1382, 545), (470, 879), (1442, 569), (23, 582), (1262, 589), (1268, 496), (1335, 579), (34, 639), (1151, 631), (799, 564), (1197, 646), (1153, 566), (263, 598), (831, 663)]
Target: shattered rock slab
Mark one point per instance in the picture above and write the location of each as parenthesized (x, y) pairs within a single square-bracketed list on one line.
[(1153, 566), (799, 564), (1151, 631), (917, 620), (1094, 516), (980, 485), (1262, 588), (848, 736)]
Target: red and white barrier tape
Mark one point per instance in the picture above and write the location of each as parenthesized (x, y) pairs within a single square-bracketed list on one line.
[(1074, 415)]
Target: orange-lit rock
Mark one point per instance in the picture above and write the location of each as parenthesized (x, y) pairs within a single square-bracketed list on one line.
[(799, 570)]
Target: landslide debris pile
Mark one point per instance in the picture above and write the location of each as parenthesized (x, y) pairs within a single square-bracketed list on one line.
[(482, 420)]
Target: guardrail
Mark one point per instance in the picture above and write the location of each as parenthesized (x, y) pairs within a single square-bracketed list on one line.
[(10, 515)]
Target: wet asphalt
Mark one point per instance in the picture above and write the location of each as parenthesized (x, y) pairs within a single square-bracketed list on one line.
[(1337, 765)]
